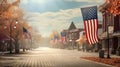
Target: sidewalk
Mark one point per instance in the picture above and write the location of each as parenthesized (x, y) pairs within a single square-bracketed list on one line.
[(2, 53), (114, 59), (5, 53)]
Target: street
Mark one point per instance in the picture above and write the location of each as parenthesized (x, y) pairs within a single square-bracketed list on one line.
[(49, 57), (59, 33)]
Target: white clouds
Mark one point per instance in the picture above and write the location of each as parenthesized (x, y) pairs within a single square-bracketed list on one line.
[(24, 1), (97, 1), (46, 22), (35, 1), (44, 1), (38, 1)]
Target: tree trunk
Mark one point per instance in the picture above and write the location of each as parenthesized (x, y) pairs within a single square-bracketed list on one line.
[(17, 51)]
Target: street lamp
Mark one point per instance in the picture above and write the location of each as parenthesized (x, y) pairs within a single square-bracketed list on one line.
[(109, 31), (11, 23), (108, 55)]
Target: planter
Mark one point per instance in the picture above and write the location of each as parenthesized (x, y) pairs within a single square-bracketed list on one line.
[(118, 52), (101, 54)]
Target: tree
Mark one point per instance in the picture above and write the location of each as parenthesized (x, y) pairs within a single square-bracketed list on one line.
[(12, 22), (12, 17)]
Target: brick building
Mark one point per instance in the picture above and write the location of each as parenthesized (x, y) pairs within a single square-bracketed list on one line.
[(113, 22), (72, 34)]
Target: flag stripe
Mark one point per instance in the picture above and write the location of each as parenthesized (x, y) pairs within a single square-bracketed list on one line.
[(55, 39), (96, 29), (90, 30), (87, 32), (63, 39), (93, 30)]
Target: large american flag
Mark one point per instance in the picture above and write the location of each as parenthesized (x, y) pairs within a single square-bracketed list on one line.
[(90, 23)]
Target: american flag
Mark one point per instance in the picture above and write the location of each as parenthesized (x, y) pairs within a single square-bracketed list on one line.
[(26, 33), (90, 23), (63, 37), (55, 39)]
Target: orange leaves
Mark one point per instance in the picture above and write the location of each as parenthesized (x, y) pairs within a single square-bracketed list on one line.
[(114, 7), (111, 61), (10, 14), (6, 15), (10, 10)]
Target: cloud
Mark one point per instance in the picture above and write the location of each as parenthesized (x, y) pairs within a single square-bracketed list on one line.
[(24, 1), (49, 21), (35, 1), (46, 22), (96, 1)]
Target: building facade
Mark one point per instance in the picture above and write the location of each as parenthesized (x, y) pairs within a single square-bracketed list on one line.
[(110, 23), (72, 34)]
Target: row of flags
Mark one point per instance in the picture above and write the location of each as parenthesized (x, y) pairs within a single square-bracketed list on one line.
[(63, 40), (90, 19)]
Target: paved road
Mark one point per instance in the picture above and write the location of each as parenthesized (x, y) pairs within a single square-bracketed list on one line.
[(49, 57)]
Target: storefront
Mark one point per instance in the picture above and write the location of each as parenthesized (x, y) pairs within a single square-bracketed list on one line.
[(110, 20)]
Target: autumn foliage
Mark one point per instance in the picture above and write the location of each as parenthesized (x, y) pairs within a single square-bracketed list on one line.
[(112, 61), (11, 16), (11, 20), (114, 7)]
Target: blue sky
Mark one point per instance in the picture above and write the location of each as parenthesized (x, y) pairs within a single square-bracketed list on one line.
[(49, 15)]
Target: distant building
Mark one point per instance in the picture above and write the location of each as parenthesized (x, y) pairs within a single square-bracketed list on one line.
[(72, 34)]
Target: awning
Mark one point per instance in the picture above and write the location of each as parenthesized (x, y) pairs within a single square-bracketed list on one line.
[(117, 34), (104, 35)]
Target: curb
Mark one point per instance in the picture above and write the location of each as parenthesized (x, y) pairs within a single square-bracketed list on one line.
[(98, 62)]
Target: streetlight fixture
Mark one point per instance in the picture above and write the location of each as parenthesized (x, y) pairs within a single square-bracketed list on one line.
[(11, 23), (109, 31)]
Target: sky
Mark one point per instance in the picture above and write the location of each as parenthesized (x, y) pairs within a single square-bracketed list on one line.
[(56, 15)]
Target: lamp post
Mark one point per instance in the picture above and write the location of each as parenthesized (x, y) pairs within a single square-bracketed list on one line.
[(108, 55), (109, 31), (10, 47)]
